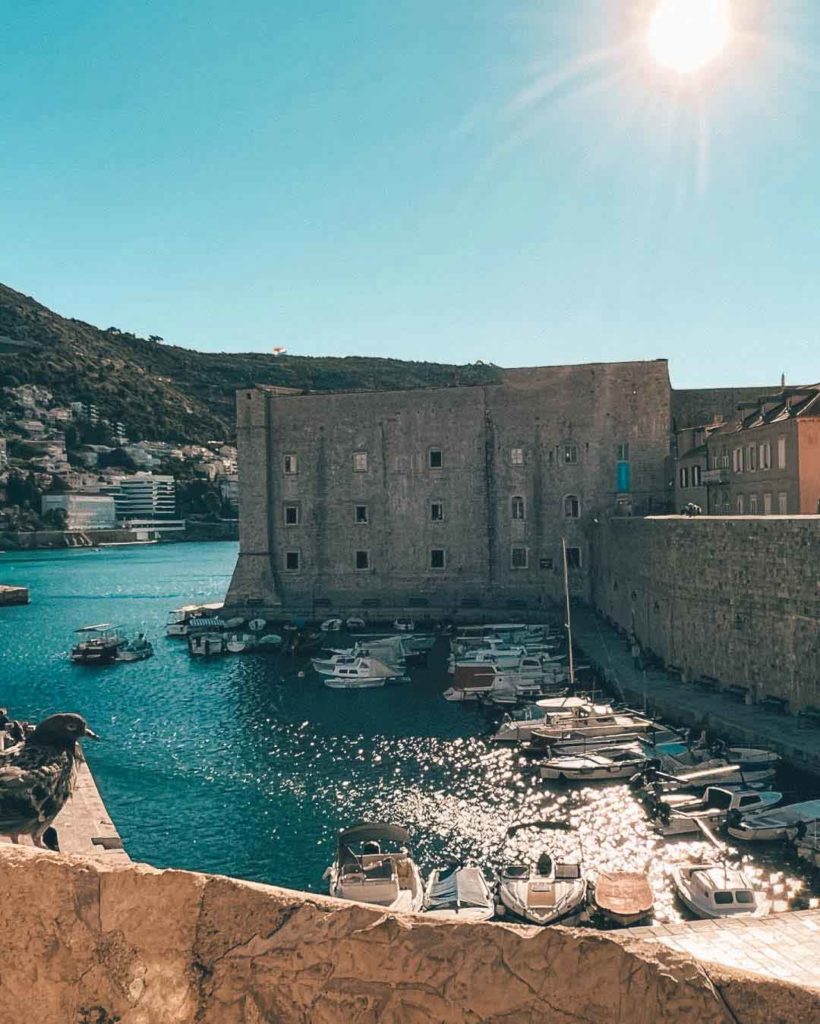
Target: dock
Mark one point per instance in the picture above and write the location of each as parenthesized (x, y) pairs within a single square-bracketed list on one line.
[(13, 595), (84, 826), (680, 703)]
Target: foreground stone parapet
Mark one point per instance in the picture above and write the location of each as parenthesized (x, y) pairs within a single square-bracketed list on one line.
[(88, 942)]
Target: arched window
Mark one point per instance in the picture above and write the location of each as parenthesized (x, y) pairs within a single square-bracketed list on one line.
[(572, 507), (517, 505)]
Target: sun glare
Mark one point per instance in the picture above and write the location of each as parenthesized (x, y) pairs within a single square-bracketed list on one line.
[(685, 35)]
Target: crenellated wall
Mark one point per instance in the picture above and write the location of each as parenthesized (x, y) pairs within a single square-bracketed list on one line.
[(89, 943)]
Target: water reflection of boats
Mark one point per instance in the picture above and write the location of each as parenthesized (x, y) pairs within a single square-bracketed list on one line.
[(543, 894), (362, 870), (99, 644), (623, 898), (718, 890), (458, 893)]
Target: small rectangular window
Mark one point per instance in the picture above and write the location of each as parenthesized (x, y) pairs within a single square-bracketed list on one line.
[(360, 462), (434, 458), (623, 452), (684, 476), (437, 558), (518, 558), (518, 509), (437, 512), (781, 453), (740, 504), (737, 460), (292, 561), (361, 514), (573, 558), (290, 464), (751, 458), (517, 456), (570, 454), (752, 504), (292, 515), (767, 504), (765, 456), (783, 503), (572, 507), (362, 560), (696, 476)]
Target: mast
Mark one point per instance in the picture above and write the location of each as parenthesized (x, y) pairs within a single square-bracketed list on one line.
[(568, 623)]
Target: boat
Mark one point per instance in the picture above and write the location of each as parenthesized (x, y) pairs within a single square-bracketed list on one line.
[(484, 679), (206, 645), (717, 891), (99, 644), (178, 620), (458, 893), (573, 742), (257, 625), (137, 649), (269, 642), (331, 625), (404, 625), (588, 724), (517, 727), (807, 842), (665, 772), (364, 870), (778, 823), (754, 764), (545, 893), (604, 765), (623, 898), (419, 642), (354, 622), (239, 643), (363, 674), (712, 809)]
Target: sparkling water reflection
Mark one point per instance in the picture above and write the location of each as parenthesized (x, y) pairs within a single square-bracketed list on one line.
[(238, 765)]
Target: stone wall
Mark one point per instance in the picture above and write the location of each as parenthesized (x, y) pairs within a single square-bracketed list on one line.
[(90, 943), (733, 599), (539, 411), (694, 407)]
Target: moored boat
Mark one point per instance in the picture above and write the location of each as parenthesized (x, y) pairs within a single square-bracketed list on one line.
[(363, 674), (179, 619), (206, 645), (717, 891), (777, 823), (623, 898), (137, 649), (712, 809), (596, 766), (458, 893), (545, 893), (366, 870), (99, 644)]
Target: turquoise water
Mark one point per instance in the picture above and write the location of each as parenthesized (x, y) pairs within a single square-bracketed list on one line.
[(236, 765)]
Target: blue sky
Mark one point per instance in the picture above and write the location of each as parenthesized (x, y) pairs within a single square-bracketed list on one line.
[(494, 179)]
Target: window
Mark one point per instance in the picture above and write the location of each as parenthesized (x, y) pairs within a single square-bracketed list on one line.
[(518, 510), (518, 558), (696, 476), (362, 560), (781, 453), (572, 507), (740, 504), (724, 454), (434, 458), (783, 503), (752, 504), (764, 454), (723, 897), (751, 453), (573, 558), (517, 456), (292, 561), (437, 558), (290, 464), (570, 454), (767, 504), (684, 476), (292, 515), (437, 512), (361, 514), (359, 462), (623, 452), (737, 460)]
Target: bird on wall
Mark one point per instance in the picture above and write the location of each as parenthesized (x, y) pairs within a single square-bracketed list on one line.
[(38, 780)]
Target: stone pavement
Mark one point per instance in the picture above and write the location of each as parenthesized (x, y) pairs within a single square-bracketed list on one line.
[(683, 703), (84, 826), (782, 946)]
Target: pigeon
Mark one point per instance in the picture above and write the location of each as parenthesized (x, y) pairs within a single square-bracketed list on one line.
[(36, 782)]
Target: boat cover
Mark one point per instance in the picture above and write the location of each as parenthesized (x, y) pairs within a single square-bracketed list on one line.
[(205, 624), (464, 887), (624, 892)]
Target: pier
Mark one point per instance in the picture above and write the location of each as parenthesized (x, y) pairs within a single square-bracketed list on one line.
[(13, 595), (668, 697)]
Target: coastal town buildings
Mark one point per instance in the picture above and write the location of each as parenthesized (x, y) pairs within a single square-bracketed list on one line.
[(82, 511)]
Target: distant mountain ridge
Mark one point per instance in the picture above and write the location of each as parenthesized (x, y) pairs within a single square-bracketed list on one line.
[(165, 392)]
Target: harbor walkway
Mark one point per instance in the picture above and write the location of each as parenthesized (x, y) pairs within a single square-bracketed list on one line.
[(84, 826), (683, 703)]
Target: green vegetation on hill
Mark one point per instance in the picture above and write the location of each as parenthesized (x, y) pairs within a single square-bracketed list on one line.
[(164, 392)]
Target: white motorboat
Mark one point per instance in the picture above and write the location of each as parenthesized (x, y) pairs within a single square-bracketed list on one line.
[(327, 666), (137, 649), (753, 764), (717, 890), (178, 620), (364, 674), (517, 727), (458, 893), (545, 893), (587, 724), (482, 679), (206, 645), (239, 643), (671, 772), (623, 898), (364, 869), (778, 823), (614, 763), (712, 809)]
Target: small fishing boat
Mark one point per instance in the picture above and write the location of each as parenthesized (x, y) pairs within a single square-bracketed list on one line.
[(717, 890), (206, 645), (517, 727), (589, 724), (354, 622), (778, 823), (363, 674), (458, 893), (623, 898), (331, 625), (99, 644), (365, 869), (545, 893), (612, 763), (137, 649), (712, 809)]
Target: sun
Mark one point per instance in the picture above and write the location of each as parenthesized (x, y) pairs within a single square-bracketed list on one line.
[(685, 35)]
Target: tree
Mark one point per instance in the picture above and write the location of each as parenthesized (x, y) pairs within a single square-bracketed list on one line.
[(56, 518)]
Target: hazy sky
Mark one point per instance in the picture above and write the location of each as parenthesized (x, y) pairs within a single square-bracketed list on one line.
[(505, 180)]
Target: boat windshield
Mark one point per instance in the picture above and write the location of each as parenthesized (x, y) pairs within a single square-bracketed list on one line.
[(517, 871), (723, 898), (567, 872), (721, 799)]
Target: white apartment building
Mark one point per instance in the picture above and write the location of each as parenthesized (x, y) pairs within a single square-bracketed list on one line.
[(83, 511), (144, 496)]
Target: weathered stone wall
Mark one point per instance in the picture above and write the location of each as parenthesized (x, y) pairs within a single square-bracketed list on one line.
[(89, 943), (541, 410), (733, 599), (694, 407)]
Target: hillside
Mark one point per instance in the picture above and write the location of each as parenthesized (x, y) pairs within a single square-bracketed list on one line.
[(166, 392)]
